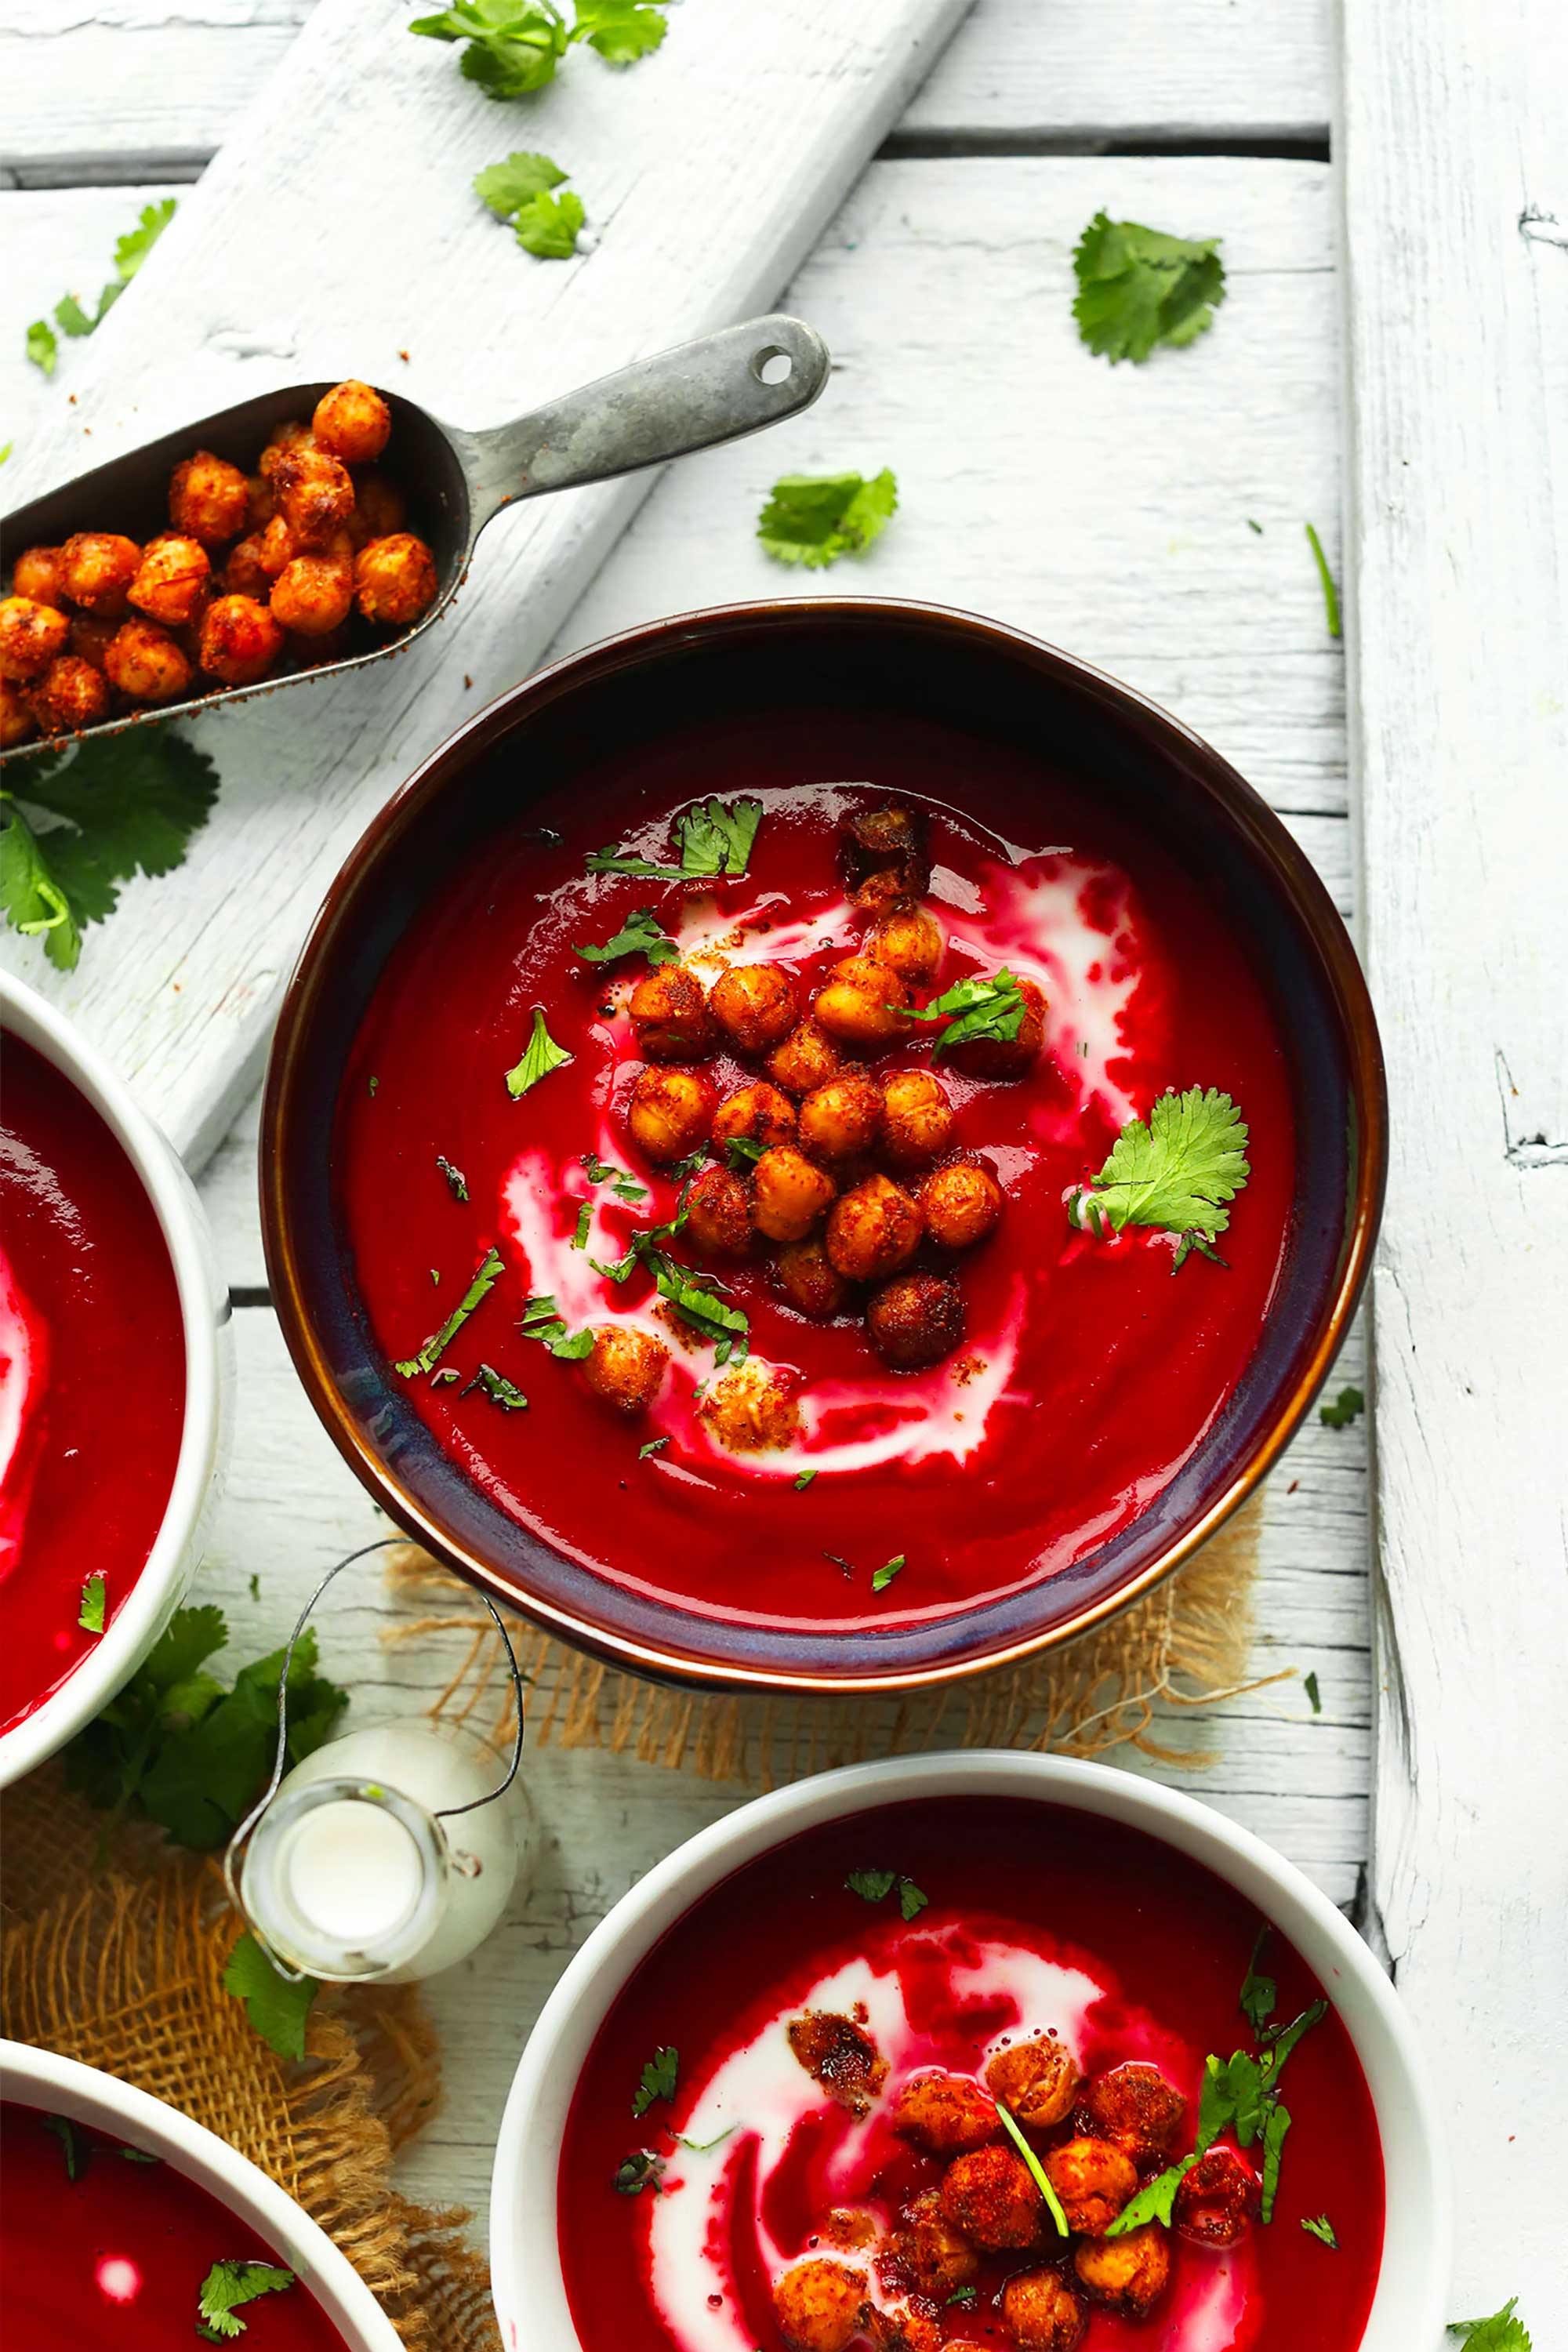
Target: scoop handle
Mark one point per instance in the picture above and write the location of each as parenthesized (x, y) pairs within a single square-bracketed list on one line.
[(692, 397)]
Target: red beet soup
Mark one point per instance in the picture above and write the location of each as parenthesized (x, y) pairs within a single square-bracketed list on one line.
[(101, 2245), (792, 2127), (869, 1323), (93, 1376)]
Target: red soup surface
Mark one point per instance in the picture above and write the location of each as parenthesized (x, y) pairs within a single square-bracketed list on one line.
[(103, 2246), (1080, 1372), (820, 2161), (92, 1375)]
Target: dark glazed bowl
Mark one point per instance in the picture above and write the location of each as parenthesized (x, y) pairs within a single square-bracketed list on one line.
[(859, 654)]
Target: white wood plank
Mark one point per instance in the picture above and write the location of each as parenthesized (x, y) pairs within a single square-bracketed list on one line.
[(1454, 144), (123, 83), (299, 257)]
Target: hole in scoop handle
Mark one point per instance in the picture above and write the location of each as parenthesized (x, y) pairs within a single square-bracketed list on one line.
[(692, 397)]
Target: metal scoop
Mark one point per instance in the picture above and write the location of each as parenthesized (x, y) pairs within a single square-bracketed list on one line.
[(693, 397)]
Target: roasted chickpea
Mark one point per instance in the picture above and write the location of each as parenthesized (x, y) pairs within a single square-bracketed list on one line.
[(210, 499), (381, 510), (670, 1113), (1136, 2109), (947, 2115), (240, 640), (960, 1203), (807, 1058), (172, 582), (910, 942), (939, 2258), (278, 549), (262, 502), (395, 579), (1035, 2080), (883, 853), (91, 636), (97, 568), (352, 422), (757, 1114), (751, 1410), (144, 662), (911, 2329), (314, 495), (281, 441), (873, 1231), (1042, 2313), (1218, 2199), (314, 595), (718, 1216), (37, 573), (789, 1192), (755, 1005), (1007, 1057), (992, 2199), (862, 1003), (70, 694), (817, 2304), (916, 1118), (808, 1280), (246, 573), (669, 1015), (32, 635), (1094, 2179), (841, 1119), (915, 1319), (625, 1367), (1129, 2273), (16, 720)]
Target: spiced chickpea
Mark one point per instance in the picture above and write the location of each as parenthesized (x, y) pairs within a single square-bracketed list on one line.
[(1134, 2107), (717, 1214), (36, 573), (669, 1015), (914, 1320), (381, 510), (210, 499), (313, 595), (807, 1058), (1129, 2274), (817, 2304), (262, 502), (245, 572), (314, 494), (16, 720), (938, 2257), (91, 636), (1094, 2179), (144, 661), (916, 1118), (1042, 2313), (843, 1119), (912, 2329), (352, 422), (789, 1192), (960, 1203), (808, 1280), (947, 2115), (756, 1114), (70, 694), (751, 1410), (755, 1005), (172, 581), (282, 440), (97, 568), (862, 1003), (873, 1231), (991, 2197), (1007, 1057), (1035, 2081), (625, 1367), (277, 547), (910, 942), (240, 640), (670, 1113), (32, 635), (1218, 2199), (396, 580)]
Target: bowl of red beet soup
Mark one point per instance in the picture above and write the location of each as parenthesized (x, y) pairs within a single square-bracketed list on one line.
[(992, 2052), (126, 2227), (114, 1365), (820, 1145)]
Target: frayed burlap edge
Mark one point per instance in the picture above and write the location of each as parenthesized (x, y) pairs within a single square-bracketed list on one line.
[(1186, 1645), (122, 1969)]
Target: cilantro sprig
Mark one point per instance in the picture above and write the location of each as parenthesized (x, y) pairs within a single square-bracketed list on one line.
[(486, 1275), (712, 838), (876, 1885), (130, 252), (542, 1322), (642, 2169), (94, 1592), (498, 1388), (1177, 1171), (540, 1056), (1348, 1406), (226, 2287), (976, 1008), (624, 1186), (513, 48), (1138, 288), (641, 934), (1319, 2226), (657, 2080), (1503, 2332), (811, 520), (277, 2006)]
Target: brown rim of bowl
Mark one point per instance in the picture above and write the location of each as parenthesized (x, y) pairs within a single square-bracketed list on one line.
[(1298, 876)]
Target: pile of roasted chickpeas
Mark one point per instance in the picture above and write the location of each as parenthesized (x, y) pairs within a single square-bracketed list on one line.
[(256, 572), (1098, 2140), (849, 1171)]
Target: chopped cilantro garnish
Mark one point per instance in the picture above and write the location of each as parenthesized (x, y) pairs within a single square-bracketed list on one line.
[(71, 2149), (912, 1900), (964, 2296), (549, 226), (1347, 1406), (1503, 2332), (277, 2006), (1037, 2170), (976, 1008), (372, 1087), (486, 1274), (584, 1220), (1319, 2226), (1258, 1992), (872, 1885), (704, 2146), (743, 1151), (498, 1388), (1155, 2201), (226, 2287), (1138, 288), (42, 346), (803, 1480), (93, 1593), (813, 518), (654, 1445), (641, 2170), (625, 1187), (657, 2081), (886, 1573), (640, 934), (695, 1300), (507, 188), (1314, 1695), (541, 1322), (1175, 1171), (540, 1056), (457, 1183), (1331, 594), (714, 838)]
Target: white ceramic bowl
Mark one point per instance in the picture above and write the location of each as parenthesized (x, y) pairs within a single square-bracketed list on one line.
[(1410, 2303), (209, 1385), (38, 2079)]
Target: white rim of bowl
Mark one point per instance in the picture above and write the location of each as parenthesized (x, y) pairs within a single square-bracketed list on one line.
[(86, 2096), (1414, 2270), (203, 1310)]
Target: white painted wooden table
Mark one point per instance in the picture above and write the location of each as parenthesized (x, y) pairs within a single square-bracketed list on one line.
[(1108, 510)]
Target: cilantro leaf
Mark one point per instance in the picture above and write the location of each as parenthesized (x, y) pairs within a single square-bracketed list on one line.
[(976, 1008), (541, 1322), (547, 225), (227, 2287), (457, 1183), (486, 1275), (132, 250), (1276, 2124), (599, 1171), (872, 1885), (498, 1388), (911, 1901), (1503, 2332), (716, 836), (621, 30), (1155, 2201), (1320, 2227), (1040, 2176), (1348, 1406), (42, 347), (513, 47), (640, 934), (1175, 1171), (71, 2149), (1331, 593), (509, 185), (641, 2170), (73, 321), (90, 1615), (704, 2146), (583, 1226), (540, 1056), (803, 1480), (813, 518), (659, 2079), (1137, 287), (654, 1445), (695, 1300), (886, 1573), (1314, 1695), (277, 2010), (1258, 1993)]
